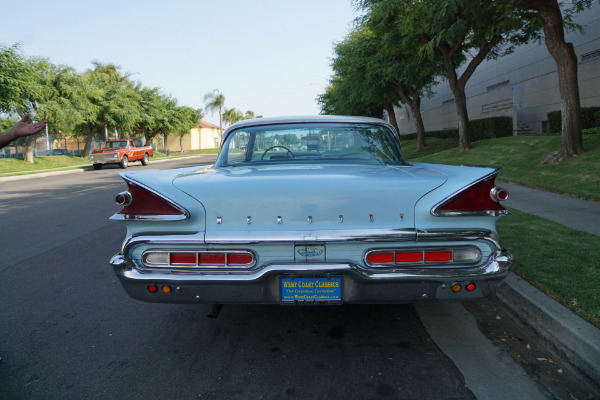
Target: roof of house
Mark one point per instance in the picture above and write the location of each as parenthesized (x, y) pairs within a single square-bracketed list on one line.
[(204, 124)]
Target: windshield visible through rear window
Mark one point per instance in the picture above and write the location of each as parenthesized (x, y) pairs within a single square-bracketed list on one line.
[(310, 143), (117, 144)]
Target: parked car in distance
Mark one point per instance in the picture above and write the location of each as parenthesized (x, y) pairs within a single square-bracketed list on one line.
[(343, 220), (122, 152)]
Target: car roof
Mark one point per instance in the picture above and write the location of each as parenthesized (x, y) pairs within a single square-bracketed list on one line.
[(308, 119)]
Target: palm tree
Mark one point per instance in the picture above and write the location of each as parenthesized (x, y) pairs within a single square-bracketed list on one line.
[(249, 114), (231, 116), (215, 101)]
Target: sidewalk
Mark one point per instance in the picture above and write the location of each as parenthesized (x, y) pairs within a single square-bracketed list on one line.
[(582, 215), (576, 341)]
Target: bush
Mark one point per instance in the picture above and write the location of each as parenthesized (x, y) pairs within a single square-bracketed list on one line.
[(489, 128), (590, 118), (485, 128)]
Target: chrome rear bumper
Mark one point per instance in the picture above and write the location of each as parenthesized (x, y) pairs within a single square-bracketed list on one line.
[(359, 284)]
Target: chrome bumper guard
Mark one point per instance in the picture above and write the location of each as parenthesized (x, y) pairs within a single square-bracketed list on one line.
[(359, 284)]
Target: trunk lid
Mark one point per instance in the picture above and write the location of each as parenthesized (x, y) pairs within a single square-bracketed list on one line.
[(315, 202)]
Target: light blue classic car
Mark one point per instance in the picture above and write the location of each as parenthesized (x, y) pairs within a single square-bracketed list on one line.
[(311, 210)]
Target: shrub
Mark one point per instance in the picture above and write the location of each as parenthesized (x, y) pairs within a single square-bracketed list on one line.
[(589, 119), (485, 128), (489, 128)]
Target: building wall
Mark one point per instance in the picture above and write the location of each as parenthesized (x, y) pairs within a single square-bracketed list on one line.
[(196, 139), (523, 85)]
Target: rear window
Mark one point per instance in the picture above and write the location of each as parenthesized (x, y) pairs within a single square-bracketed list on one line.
[(310, 143)]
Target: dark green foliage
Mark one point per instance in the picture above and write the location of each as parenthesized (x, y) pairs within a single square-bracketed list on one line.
[(485, 128), (590, 118), (554, 121), (489, 128)]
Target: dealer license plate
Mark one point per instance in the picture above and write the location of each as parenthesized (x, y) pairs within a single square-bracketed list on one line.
[(303, 290)]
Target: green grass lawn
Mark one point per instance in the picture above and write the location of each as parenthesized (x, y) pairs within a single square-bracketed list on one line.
[(11, 166), (16, 166), (562, 262), (520, 157)]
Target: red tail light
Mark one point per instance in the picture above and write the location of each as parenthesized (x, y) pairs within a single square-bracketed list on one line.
[(140, 203), (480, 199), (199, 259)]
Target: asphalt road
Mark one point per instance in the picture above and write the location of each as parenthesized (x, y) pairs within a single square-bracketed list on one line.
[(69, 331)]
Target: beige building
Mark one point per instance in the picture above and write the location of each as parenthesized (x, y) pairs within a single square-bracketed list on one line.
[(204, 136)]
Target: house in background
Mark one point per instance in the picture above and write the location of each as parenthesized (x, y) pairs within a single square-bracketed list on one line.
[(204, 136)]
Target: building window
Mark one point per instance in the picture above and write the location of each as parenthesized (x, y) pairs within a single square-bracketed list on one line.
[(590, 56), (498, 85)]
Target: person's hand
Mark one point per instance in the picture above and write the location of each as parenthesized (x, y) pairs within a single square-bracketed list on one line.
[(22, 128)]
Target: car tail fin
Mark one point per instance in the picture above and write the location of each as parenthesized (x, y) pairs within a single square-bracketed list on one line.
[(482, 197), (142, 203)]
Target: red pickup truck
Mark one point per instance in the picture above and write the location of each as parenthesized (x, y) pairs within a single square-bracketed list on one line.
[(122, 152)]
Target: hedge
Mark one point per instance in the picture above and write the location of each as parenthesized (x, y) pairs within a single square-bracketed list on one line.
[(485, 128), (590, 118)]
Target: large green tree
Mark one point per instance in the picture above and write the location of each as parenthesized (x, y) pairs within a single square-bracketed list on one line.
[(186, 118), (115, 103), (459, 31), (549, 15)]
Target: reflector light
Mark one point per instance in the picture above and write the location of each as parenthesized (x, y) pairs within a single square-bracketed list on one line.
[(166, 289), (211, 259), (239, 259), (470, 287), (477, 198), (412, 257), (152, 288), (456, 288), (438, 256), (144, 203), (380, 258), (183, 258)]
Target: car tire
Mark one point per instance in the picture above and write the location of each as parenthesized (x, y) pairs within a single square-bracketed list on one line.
[(124, 162), (97, 166), (145, 159)]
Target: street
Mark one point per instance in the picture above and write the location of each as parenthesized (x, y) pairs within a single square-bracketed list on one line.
[(69, 331)]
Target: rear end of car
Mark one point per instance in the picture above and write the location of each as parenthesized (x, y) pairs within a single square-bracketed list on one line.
[(307, 232)]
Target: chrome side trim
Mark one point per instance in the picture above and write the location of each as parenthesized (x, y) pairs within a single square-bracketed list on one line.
[(123, 217), (358, 235), (366, 235)]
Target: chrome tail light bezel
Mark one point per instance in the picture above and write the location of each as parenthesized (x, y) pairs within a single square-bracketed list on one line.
[(454, 250), (161, 258)]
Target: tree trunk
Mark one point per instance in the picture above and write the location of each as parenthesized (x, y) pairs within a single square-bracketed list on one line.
[(389, 108), (89, 135), (564, 55), (415, 106), (414, 102), (464, 129)]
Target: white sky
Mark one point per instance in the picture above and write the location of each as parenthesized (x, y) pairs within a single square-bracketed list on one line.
[(269, 56)]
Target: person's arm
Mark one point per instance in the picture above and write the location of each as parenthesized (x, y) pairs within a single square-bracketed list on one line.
[(21, 129)]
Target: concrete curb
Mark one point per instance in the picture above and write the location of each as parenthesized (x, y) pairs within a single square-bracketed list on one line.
[(574, 340)]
